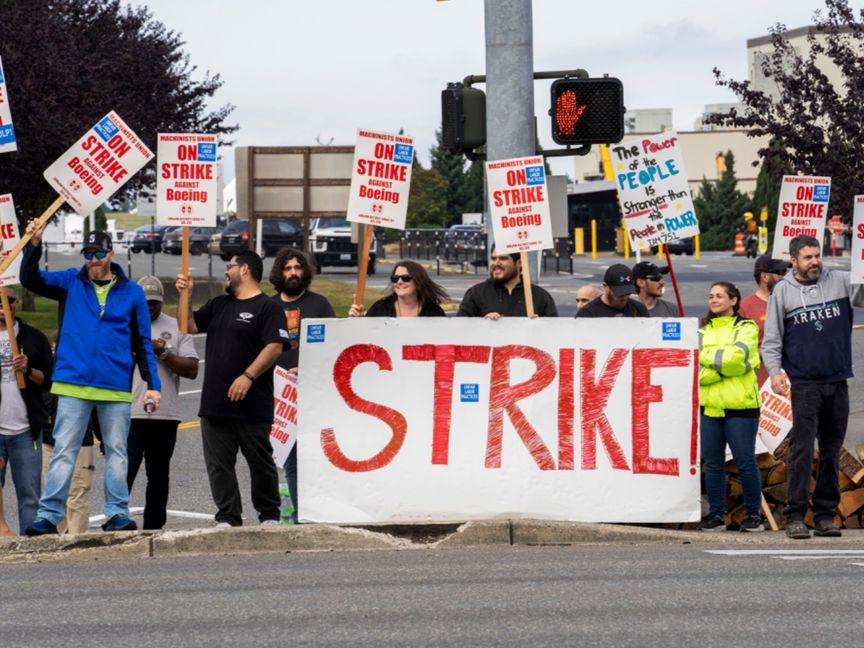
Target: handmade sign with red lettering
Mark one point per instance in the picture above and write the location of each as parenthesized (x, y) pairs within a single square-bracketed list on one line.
[(98, 164), (408, 419), (186, 179), (775, 418), (802, 209), (381, 179), (857, 251), (655, 198), (10, 238), (8, 143), (283, 434), (519, 205)]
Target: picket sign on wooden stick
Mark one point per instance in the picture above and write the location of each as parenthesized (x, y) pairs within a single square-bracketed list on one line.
[(362, 263), (183, 304), (25, 238), (674, 281), (526, 284), (767, 511), (10, 328)]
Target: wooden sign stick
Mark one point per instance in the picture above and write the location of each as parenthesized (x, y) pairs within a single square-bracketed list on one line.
[(183, 304), (25, 238), (526, 284), (362, 263), (767, 511), (10, 329)]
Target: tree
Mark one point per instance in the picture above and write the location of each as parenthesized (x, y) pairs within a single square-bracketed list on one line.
[(451, 167), (816, 124), (472, 189), (69, 62), (767, 193), (427, 202), (720, 208)]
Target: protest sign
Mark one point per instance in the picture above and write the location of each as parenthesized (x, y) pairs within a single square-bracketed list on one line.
[(283, 434), (10, 238), (775, 418), (8, 143), (519, 205), (652, 190), (802, 209), (381, 179), (857, 251), (409, 420), (98, 164), (186, 180)]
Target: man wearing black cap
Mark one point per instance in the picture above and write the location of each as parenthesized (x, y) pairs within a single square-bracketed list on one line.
[(104, 334), (767, 272), (649, 287), (615, 300)]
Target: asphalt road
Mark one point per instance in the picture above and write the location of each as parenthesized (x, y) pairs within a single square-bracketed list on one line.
[(529, 596)]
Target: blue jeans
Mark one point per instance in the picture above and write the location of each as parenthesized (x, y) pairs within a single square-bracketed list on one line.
[(740, 434), (24, 456), (69, 428)]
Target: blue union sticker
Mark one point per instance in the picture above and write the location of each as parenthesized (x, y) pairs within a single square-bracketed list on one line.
[(206, 152), (7, 134), (2, 78), (403, 153), (534, 175), (106, 129), (316, 333), (821, 193), (469, 393), (671, 330)]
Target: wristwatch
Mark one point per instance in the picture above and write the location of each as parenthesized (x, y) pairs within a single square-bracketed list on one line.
[(168, 349)]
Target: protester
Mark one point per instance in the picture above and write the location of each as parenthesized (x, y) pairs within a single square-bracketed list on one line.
[(502, 294), (412, 294), (23, 412), (808, 343), (291, 276), (729, 399), (585, 294), (104, 334), (5, 531), (648, 278), (152, 435), (245, 331), (615, 301), (767, 272)]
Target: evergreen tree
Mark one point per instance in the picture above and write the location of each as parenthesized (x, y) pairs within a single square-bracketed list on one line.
[(767, 193), (427, 202), (720, 208), (451, 167), (472, 189)]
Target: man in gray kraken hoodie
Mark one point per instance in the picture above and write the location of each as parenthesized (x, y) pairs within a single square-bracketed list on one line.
[(808, 335)]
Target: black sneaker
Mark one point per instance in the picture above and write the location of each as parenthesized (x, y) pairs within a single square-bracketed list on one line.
[(120, 522), (712, 523), (797, 530), (41, 526), (752, 524), (826, 529)]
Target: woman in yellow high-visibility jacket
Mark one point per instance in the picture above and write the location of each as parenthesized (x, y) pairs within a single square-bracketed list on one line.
[(729, 396)]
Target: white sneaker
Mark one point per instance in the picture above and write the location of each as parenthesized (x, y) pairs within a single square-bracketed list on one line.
[(223, 525), (270, 523)]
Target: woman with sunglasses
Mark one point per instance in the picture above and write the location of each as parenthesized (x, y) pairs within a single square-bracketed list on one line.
[(413, 294), (729, 396)]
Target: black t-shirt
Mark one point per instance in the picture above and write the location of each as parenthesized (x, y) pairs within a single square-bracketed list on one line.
[(596, 308), (237, 330), (489, 297), (386, 307), (309, 304)]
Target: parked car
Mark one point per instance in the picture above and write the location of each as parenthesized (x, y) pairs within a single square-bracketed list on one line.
[(216, 244), (148, 238), (276, 233), (199, 240), (463, 236), (679, 246), (330, 240)]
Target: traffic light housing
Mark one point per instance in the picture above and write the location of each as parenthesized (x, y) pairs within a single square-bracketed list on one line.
[(587, 111), (463, 118)]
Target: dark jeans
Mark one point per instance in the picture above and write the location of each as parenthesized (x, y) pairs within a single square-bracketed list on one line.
[(153, 442), (222, 438), (819, 411), (740, 434)]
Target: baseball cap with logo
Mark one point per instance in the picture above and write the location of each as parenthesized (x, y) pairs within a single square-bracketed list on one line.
[(97, 240), (619, 278), (152, 288), (647, 269)]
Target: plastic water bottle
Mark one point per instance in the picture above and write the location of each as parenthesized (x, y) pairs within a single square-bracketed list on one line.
[(149, 405), (286, 510)]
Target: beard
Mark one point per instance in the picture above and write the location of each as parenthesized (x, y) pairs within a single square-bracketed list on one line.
[(231, 287), (505, 277), (294, 286)]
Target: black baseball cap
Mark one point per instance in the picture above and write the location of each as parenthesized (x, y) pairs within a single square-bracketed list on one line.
[(766, 264), (619, 278), (647, 269), (97, 240)]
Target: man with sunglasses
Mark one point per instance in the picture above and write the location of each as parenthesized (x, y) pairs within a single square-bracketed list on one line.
[(767, 272), (650, 286), (104, 334)]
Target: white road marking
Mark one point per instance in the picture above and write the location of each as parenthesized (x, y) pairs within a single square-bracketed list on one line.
[(786, 552)]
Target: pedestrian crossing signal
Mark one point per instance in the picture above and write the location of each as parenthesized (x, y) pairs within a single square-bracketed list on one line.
[(587, 111)]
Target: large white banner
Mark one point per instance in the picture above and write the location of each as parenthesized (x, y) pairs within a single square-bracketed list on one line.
[(857, 251), (802, 209), (519, 205), (10, 238), (186, 181), (415, 420), (98, 164), (652, 189), (381, 179), (8, 143)]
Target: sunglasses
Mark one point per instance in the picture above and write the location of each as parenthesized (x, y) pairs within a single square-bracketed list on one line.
[(406, 278), (101, 254), (655, 278)]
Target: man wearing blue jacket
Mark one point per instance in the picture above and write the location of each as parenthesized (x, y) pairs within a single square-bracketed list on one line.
[(104, 332)]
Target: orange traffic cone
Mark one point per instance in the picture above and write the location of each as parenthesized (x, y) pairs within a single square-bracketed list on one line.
[(739, 245)]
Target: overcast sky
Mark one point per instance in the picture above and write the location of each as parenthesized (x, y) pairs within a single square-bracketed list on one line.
[(301, 71)]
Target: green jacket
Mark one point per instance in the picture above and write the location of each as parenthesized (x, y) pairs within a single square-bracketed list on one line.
[(728, 357)]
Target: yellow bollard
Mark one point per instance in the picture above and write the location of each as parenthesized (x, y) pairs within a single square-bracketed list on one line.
[(696, 247), (578, 240), (593, 239)]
